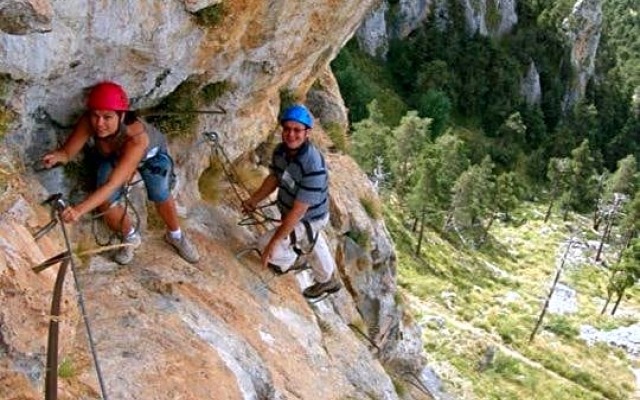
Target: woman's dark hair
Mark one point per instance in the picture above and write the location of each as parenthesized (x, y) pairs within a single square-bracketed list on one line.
[(130, 117)]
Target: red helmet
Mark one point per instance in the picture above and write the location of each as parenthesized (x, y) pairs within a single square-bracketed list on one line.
[(107, 96)]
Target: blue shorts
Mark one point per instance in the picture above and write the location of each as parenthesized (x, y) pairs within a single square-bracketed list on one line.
[(156, 172)]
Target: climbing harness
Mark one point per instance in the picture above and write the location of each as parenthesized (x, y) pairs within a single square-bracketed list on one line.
[(129, 209), (311, 237), (128, 206), (57, 204)]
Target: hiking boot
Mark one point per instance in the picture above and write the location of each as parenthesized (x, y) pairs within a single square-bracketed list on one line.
[(125, 254), (184, 247), (318, 289)]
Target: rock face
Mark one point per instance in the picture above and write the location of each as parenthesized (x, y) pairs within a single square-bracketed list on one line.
[(530, 88), (256, 50), (411, 14), (583, 29), (486, 17), (373, 34), (162, 328), (225, 328), (19, 17), (490, 17)]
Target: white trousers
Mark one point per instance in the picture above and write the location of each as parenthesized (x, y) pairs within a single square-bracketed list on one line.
[(320, 259)]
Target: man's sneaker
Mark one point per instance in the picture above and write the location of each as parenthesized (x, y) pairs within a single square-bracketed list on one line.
[(125, 254), (184, 247), (318, 289)]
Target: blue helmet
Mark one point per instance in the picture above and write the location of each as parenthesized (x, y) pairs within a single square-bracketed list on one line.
[(297, 113)]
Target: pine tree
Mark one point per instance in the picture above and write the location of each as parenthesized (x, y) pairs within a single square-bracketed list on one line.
[(408, 140), (558, 173), (369, 140), (624, 275), (471, 195), (441, 162)]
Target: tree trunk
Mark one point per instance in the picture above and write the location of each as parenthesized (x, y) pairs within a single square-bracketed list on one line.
[(602, 239), (447, 221), (548, 214), (597, 217), (607, 230), (596, 224), (553, 288), (421, 233), (615, 307), (485, 234), (626, 243), (606, 304)]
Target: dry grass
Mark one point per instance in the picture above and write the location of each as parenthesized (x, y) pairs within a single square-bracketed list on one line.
[(464, 287), (372, 206), (209, 182)]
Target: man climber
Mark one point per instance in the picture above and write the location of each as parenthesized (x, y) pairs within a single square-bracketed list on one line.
[(299, 174)]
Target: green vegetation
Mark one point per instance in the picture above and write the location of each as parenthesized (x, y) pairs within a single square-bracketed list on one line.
[(400, 387), (6, 114), (488, 274), (172, 118), (361, 238), (338, 136), (562, 326), (362, 80), (372, 207), (623, 22), (66, 368), (471, 150), (177, 114), (493, 297), (493, 16), (287, 98), (211, 92), (209, 182), (474, 82), (210, 16), (6, 117)]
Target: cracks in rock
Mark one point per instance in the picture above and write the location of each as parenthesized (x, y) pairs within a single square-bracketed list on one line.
[(253, 377), (4, 346), (30, 365)]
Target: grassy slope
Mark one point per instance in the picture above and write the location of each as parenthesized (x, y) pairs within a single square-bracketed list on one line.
[(469, 301)]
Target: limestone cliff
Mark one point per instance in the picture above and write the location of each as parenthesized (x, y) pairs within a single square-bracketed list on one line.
[(487, 17), (582, 29), (162, 328)]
